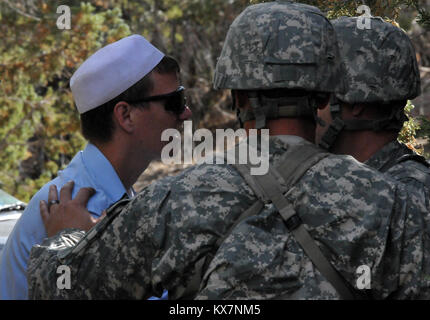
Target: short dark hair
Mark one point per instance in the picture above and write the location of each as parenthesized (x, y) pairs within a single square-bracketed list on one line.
[(97, 124)]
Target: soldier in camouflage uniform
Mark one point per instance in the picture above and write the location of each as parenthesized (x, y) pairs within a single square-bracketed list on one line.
[(229, 275), (208, 222), (381, 74)]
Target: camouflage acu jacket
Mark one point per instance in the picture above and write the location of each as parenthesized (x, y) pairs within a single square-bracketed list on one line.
[(153, 242), (395, 160)]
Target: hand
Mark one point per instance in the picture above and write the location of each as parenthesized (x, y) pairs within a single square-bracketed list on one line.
[(67, 213)]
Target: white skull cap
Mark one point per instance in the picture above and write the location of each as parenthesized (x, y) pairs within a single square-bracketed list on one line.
[(111, 70)]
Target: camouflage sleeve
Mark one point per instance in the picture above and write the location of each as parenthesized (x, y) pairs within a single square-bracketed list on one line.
[(153, 243), (407, 275), (44, 257), (109, 261)]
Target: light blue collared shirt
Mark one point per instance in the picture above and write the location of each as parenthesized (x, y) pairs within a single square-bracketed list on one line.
[(89, 168)]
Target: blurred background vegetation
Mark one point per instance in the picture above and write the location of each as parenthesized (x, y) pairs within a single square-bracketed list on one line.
[(39, 126)]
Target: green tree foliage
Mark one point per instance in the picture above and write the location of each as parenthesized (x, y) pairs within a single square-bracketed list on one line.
[(39, 126), (36, 62), (410, 129)]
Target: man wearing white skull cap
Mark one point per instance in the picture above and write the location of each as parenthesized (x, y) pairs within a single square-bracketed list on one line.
[(127, 94)]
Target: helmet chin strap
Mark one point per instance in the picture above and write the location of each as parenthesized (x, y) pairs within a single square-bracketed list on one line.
[(257, 110), (335, 128), (234, 107), (264, 108), (318, 120), (393, 122)]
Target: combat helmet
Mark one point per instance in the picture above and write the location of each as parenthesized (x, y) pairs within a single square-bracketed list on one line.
[(381, 69), (275, 45)]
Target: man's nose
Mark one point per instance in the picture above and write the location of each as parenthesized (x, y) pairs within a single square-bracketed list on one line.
[(186, 114)]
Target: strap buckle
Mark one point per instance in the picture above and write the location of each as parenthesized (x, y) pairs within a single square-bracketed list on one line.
[(293, 222), (260, 117), (335, 107), (331, 134)]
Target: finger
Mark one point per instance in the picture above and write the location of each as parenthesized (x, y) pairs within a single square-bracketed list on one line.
[(102, 216), (44, 212), (66, 192), (84, 195), (52, 194), (97, 220)]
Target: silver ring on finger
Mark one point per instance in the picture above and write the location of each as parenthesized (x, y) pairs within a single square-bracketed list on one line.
[(52, 202)]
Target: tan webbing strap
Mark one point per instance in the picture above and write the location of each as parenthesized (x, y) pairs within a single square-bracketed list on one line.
[(244, 171), (296, 227), (297, 160), (294, 163)]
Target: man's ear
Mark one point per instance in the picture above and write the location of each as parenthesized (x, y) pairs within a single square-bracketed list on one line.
[(122, 116)]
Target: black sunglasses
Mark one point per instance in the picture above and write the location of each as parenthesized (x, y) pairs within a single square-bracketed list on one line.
[(174, 101)]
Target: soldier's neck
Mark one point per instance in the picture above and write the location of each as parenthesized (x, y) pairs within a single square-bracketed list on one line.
[(304, 128), (362, 144)]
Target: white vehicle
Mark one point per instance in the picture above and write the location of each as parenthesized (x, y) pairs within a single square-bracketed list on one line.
[(10, 211)]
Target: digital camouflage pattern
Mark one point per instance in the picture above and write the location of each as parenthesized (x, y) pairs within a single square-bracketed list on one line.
[(280, 45), (153, 242), (380, 62), (157, 240), (262, 260), (414, 174)]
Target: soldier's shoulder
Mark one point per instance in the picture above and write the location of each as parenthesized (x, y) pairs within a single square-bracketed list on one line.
[(347, 167), (411, 171), (199, 180), (215, 176)]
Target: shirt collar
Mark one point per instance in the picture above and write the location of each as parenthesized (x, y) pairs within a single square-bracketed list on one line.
[(102, 172), (292, 139), (386, 156)]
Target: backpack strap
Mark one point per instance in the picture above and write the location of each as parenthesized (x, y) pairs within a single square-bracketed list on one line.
[(297, 160), (294, 163)]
